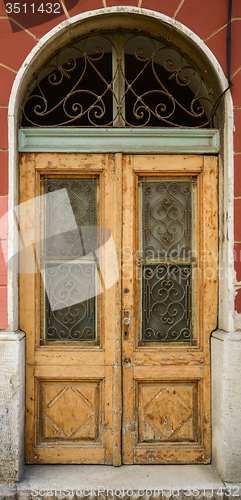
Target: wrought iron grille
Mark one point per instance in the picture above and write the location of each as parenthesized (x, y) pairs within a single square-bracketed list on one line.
[(68, 260), (166, 269), (70, 219), (118, 80), (166, 219), (166, 303)]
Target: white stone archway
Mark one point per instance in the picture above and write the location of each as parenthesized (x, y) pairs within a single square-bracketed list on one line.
[(226, 449)]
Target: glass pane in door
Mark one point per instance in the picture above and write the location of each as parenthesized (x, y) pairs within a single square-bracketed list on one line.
[(68, 260), (166, 268)]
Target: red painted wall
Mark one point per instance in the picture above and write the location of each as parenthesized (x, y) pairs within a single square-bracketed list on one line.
[(206, 18)]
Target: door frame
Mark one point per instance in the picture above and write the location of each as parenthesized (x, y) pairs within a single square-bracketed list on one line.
[(125, 141)]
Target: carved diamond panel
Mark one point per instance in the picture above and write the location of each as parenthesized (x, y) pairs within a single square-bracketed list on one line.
[(69, 411), (168, 412)]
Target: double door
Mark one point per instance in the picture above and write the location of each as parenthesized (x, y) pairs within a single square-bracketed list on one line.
[(118, 307)]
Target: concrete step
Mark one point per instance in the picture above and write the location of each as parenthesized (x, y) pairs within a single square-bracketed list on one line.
[(128, 482)]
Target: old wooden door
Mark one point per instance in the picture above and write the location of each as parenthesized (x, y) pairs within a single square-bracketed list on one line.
[(73, 406), (124, 375), (170, 293)]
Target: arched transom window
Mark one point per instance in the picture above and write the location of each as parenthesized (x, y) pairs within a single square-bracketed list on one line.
[(118, 80)]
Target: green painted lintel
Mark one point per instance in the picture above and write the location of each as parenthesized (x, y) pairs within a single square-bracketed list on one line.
[(123, 140)]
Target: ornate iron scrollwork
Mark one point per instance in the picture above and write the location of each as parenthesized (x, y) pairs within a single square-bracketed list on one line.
[(115, 81), (166, 303), (68, 260), (166, 271), (166, 219)]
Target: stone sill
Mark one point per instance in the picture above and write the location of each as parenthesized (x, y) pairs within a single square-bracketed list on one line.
[(77, 482)]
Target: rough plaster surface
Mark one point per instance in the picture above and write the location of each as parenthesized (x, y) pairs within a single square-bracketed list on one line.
[(11, 405), (226, 404), (8, 492), (237, 319)]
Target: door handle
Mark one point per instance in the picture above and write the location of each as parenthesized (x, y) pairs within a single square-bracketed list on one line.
[(126, 322)]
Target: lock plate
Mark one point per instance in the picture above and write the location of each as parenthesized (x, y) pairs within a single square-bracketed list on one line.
[(126, 322)]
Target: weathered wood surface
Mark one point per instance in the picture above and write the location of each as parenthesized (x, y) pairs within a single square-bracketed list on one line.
[(72, 393), (164, 389), (169, 394)]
